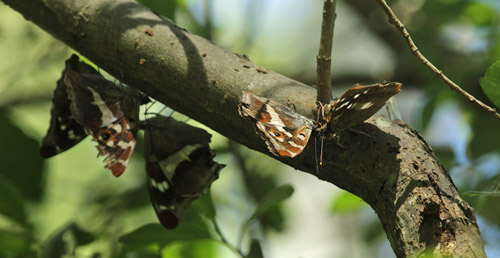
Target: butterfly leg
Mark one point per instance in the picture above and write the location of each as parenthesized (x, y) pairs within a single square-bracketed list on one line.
[(360, 132)]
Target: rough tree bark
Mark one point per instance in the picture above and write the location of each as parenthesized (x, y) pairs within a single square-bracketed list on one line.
[(389, 165)]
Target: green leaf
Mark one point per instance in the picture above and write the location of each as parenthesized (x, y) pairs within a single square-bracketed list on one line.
[(373, 231), (348, 203), (439, 97), (205, 205), (485, 134), (480, 14), (13, 244), (258, 185), (446, 156), (200, 248), (272, 199), (141, 254), (491, 83), (155, 234), (165, 8), (11, 201), (255, 250), (65, 241), (87, 61), (20, 159)]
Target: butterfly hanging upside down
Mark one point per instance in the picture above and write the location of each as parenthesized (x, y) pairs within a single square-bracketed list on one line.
[(179, 166), (286, 133), (86, 103)]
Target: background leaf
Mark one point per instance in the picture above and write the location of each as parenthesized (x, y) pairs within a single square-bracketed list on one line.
[(255, 250), (491, 83), (15, 244), (347, 203), (205, 205), (11, 202), (155, 234), (20, 159), (165, 8), (65, 241), (272, 199)]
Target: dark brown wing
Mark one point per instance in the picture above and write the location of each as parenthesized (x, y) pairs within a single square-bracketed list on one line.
[(360, 103), (64, 131), (179, 167)]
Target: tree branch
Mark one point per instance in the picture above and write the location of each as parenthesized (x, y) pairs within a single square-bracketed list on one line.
[(389, 165), (400, 26), (324, 57)]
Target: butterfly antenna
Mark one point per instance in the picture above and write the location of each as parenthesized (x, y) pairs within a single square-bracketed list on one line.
[(319, 107), (321, 153), (316, 153)]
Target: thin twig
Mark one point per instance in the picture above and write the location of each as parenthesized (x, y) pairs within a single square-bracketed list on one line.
[(233, 146), (208, 19), (324, 57), (224, 240), (400, 26), (240, 160)]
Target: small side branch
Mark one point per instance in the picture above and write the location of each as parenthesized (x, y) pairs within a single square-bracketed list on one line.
[(208, 19), (324, 57), (400, 26)]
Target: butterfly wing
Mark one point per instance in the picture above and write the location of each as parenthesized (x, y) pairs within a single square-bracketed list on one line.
[(109, 111), (116, 143), (95, 101), (286, 133), (179, 167), (64, 131), (84, 101), (360, 103), (284, 142)]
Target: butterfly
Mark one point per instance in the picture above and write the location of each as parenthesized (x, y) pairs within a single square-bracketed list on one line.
[(88, 104), (64, 131), (179, 166), (286, 133), (358, 104)]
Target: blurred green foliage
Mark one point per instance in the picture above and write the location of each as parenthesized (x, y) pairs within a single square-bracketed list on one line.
[(346, 203), (69, 206), (491, 83)]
